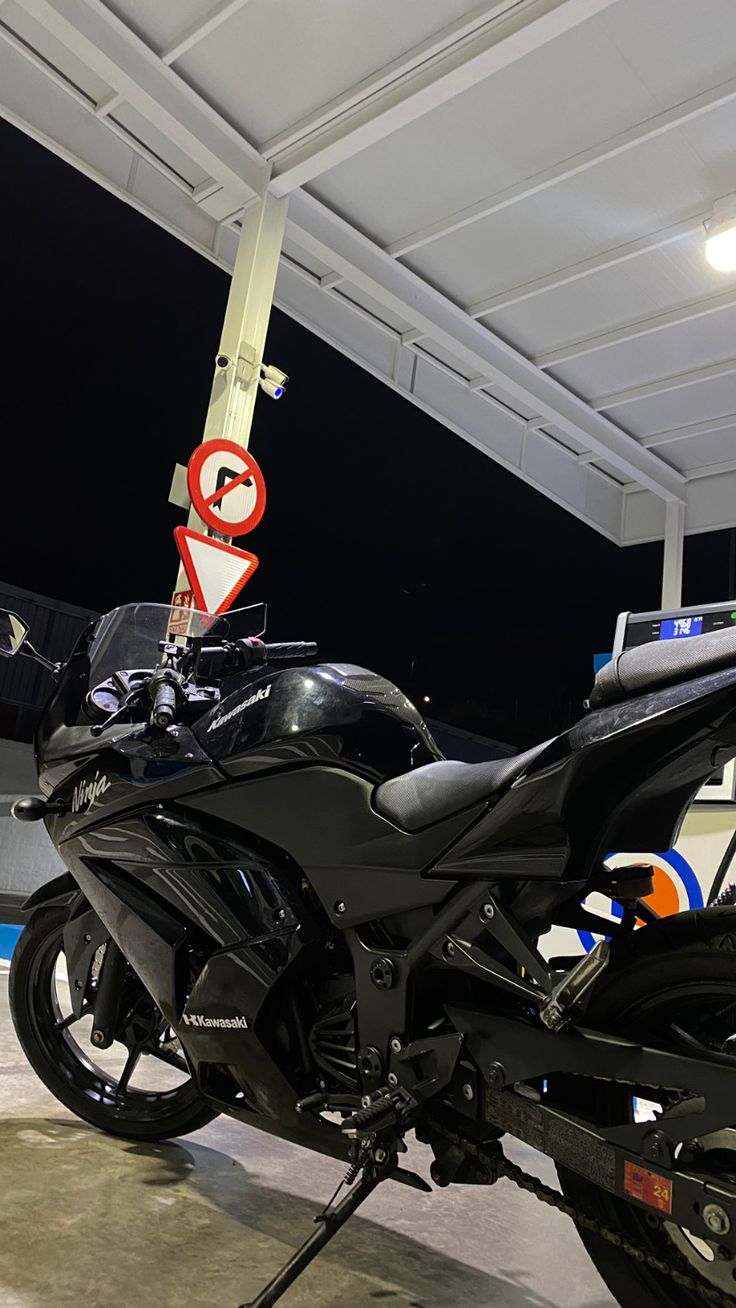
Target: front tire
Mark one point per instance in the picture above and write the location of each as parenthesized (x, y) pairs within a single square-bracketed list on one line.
[(68, 1065), (668, 984)]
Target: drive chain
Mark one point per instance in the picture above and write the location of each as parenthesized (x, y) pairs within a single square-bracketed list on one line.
[(498, 1165)]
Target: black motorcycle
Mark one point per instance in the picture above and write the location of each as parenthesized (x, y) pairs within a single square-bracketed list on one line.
[(283, 904)]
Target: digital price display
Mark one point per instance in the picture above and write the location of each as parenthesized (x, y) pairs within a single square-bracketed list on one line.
[(634, 629), (676, 628)]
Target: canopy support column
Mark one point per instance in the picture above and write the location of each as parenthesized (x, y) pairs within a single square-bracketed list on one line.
[(674, 543), (240, 354)]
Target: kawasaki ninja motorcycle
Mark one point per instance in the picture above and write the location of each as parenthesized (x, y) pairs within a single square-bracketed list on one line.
[(283, 904)]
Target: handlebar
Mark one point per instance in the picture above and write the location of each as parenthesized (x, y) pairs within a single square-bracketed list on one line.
[(286, 650), (165, 689), (167, 686), (164, 706)]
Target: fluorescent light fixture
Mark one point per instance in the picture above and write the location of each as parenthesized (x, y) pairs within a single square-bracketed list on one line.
[(720, 245)]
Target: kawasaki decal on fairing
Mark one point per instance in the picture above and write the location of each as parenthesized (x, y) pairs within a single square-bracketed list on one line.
[(196, 1019), (263, 693), (86, 793)]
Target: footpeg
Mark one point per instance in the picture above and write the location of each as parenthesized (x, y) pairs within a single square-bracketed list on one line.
[(378, 1116), (558, 1010)]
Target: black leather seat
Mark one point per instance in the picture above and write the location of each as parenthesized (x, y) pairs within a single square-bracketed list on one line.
[(662, 663), (437, 790)]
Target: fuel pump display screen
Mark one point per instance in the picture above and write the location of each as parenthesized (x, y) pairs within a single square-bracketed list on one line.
[(636, 629), (675, 628), (641, 628)]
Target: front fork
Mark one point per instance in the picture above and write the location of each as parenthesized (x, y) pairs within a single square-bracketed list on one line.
[(84, 936), (107, 997)]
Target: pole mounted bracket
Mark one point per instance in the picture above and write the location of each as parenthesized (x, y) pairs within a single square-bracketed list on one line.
[(248, 365), (179, 492)]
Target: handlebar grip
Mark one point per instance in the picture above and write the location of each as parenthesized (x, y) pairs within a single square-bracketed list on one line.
[(164, 705), (284, 651)]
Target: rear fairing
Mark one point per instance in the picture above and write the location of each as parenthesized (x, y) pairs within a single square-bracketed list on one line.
[(621, 779)]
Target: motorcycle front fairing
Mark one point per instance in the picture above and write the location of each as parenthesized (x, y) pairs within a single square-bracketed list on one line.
[(214, 919)]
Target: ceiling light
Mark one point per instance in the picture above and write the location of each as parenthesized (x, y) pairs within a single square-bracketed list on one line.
[(720, 246)]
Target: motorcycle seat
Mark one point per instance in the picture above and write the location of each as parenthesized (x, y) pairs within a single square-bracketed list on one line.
[(437, 790), (662, 663)]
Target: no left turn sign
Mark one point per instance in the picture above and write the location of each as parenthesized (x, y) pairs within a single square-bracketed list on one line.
[(226, 487)]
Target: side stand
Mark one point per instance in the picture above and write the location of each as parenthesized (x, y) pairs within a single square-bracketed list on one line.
[(329, 1223)]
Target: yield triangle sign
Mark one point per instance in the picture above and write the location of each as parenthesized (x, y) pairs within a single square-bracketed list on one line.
[(217, 572)]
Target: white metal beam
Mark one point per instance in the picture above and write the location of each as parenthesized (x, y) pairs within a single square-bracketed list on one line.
[(195, 33), (202, 28), (435, 72), (39, 101), (574, 272), (711, 470), (563, 171), (632, 331), (108, 47), (674, 544), (662, 385), (692, 429), (435, 388), (319, 231), (710, 502)]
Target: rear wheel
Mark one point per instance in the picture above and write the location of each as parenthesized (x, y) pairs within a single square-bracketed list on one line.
[(681, 997), (141, 1086)]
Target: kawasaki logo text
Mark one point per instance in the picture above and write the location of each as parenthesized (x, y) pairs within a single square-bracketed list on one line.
[(226, 1023), (263, 693)]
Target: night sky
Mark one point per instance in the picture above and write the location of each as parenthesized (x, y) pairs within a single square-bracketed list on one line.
[(386, 538)]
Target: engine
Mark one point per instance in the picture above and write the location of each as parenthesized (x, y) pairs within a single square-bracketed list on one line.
[(333, 1037)]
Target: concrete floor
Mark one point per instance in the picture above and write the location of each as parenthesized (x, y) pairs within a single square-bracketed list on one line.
[(86, 1218)]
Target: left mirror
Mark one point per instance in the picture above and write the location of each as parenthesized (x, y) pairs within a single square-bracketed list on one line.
[(13, 631)]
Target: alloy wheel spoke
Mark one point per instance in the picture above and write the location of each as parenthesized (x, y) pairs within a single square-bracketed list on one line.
[(130, 1065), (66, 1022)]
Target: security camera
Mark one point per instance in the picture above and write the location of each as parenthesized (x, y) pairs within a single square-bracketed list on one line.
[(269, 373), (223, 360), (272, 381)]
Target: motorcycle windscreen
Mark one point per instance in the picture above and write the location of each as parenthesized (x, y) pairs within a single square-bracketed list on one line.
[(131, 636)]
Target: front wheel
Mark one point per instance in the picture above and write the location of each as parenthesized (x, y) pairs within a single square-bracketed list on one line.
[(140, 1087), (682, 996)]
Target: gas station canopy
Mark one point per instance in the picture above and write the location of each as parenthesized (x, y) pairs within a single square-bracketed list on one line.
[(496, 210)]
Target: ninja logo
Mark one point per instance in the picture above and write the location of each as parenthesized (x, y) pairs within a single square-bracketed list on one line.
[(86, 793)]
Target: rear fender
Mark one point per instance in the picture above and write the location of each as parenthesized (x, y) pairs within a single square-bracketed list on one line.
[(680, 930)]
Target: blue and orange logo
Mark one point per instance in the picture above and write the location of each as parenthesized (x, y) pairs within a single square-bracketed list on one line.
[(676, 888)]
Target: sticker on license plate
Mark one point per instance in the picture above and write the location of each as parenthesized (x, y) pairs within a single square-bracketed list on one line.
[(647, 1187)]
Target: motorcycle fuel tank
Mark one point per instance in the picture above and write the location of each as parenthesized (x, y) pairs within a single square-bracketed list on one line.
[(331, 713)]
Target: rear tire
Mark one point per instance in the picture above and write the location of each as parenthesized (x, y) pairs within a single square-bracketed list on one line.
[(658, 971), (65, 1069)]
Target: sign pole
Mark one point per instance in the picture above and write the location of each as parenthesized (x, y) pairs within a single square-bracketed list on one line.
[(239, 358)]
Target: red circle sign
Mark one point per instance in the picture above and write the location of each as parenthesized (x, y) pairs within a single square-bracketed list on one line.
[(226, 487)]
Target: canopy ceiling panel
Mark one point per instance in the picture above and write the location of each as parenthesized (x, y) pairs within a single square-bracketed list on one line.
[(495, 209), (639, 287)]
